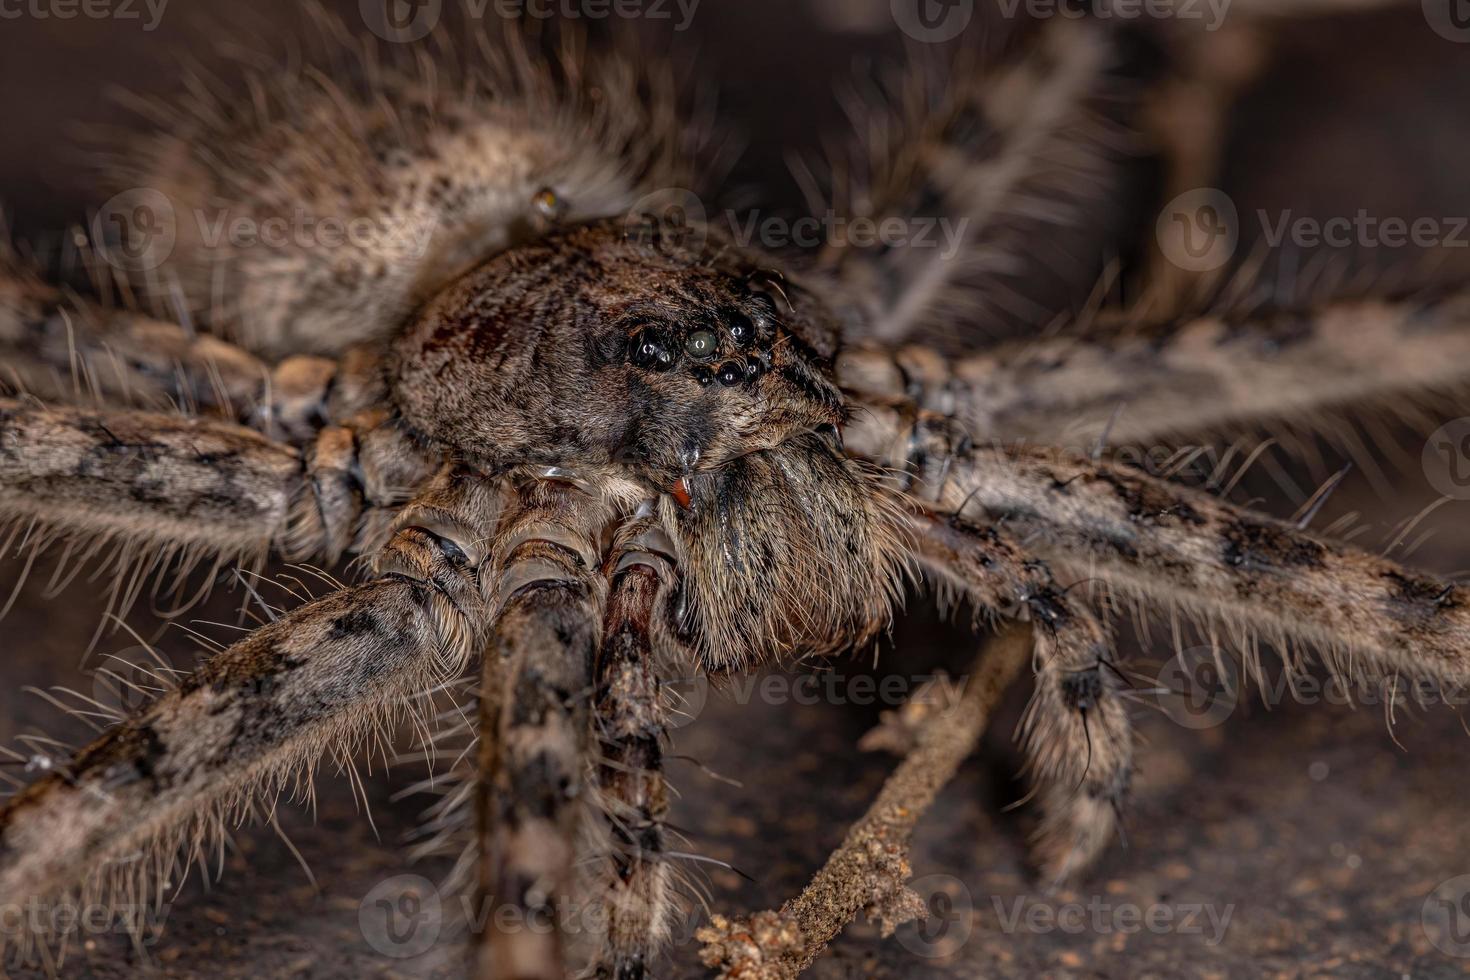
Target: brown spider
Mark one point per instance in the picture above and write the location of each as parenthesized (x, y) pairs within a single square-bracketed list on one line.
[(584, 441)]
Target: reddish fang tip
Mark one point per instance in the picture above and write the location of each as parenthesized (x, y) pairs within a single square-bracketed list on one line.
[(681, 492)]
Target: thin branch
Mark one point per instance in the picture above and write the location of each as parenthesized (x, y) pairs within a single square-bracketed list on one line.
[(868, 873)]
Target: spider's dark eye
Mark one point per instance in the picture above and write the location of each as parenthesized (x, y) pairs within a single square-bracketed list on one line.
[(701, 344), (704, 376), (650, 349), (742, 330), (731, 373)]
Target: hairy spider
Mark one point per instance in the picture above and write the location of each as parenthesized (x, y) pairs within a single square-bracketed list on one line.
[(583, 440)]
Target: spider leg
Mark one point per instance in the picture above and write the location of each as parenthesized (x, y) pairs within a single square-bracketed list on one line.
[(153, 487), (1144, 536), (1181, 377), (1076, 732), (1003, 175), (65, 350), (630, 726), (538, 668), (253, 718), (60, 348), (1369, 617)]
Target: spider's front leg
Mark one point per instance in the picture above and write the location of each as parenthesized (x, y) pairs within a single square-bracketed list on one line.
[(1078, 739), (319, 679), (160, 486), (537, 675), (1142, 536), (630, 727)]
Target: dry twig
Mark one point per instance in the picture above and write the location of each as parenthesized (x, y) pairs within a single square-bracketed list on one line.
[(869, 872)]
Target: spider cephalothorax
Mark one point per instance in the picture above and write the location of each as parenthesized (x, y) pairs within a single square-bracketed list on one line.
[(616, 447), (597, 347), (670, 363)]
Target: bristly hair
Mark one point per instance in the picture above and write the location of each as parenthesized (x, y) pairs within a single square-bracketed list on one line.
[(419, 165)]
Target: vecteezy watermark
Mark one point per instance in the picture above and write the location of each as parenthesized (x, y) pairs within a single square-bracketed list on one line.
[(1446, 916), (1101, 916), (401, 21), (834, 230), (932, 21), (401, 917), (60, 920), (406, 21), (687, 697), (1200, 687), (1197, 687), (948, 920), (1362, 230), (1210, 12), (138, 229), (147, 12), (1446, 459), (1200, 230), (672, 220), (1450, 19), (679, 12), (406, 916)]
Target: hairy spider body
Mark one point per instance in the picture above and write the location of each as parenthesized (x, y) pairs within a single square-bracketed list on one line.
[(595, 446)]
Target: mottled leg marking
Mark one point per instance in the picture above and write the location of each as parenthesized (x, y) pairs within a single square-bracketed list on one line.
[(1137, 534), (181, 485), (1145, 536), (550, 593), (1078, 740), (629, 725), (1185, 376), (248, 722)]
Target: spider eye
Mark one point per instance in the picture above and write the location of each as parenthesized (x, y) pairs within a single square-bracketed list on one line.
[(731, 373), (742, 329), (650, 349), (701, 344)]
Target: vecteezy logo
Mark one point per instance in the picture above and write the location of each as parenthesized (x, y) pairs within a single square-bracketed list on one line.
[(932, 21), (684, 699), (1199, 230), (400, 21), (672, 220), (1446, 916), (135, 231), (949, 920), (401, 917), (1197, 689), (1450, 19), (1446, 459)]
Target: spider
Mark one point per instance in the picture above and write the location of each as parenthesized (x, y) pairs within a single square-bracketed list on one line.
[(581, 439)]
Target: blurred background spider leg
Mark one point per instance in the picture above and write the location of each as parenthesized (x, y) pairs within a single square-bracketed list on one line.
[(251, 722), (550, 593), (1076, 732), (60, 347), (629, 731), (1026, 165)]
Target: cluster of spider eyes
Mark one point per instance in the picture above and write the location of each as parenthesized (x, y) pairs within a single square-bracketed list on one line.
[(657, 347)]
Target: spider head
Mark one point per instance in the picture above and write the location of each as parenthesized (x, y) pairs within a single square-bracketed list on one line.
[(598, 346), (690, 367)]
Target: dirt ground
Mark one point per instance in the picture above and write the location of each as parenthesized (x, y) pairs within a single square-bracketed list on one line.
[(1299, 840)]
